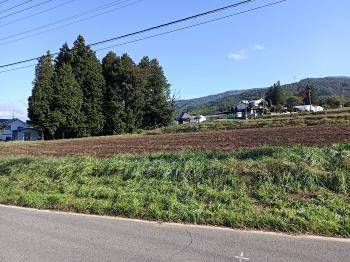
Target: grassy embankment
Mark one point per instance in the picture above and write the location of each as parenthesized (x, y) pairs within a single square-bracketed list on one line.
[(297, 190), (336, 117)]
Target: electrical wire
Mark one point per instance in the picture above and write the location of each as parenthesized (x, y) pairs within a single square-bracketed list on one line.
[(36, 14), (3, 2), (14, 7), (102, 7), (152, 36), (190, 26), (176, 21), (141, 31), (71, 23), (25, 9), (17, 68)]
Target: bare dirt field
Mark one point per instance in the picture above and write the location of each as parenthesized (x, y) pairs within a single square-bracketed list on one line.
[(217, 140)]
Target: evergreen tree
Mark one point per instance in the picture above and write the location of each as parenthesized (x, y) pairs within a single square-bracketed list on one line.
[(88, 73), (132, 86), (113, 106), (75, 96), (275, 95), (158, 110), (68, 101), (294, 101), (63, 57), (42, 95)]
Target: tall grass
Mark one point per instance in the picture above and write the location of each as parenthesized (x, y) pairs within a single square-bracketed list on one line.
[(299, 190)]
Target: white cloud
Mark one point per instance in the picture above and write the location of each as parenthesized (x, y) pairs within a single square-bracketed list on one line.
[(16, 109), (240, 55), (243, 54), (259, 47)]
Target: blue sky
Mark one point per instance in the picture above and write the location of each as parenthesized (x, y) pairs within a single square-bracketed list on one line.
[(293, 40)]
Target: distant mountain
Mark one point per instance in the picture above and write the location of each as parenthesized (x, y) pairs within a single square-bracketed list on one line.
[(328, 86), (184, 104)]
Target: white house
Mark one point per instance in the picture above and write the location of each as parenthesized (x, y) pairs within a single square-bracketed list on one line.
[(248, 109), (309, 108), (242, 106), (16, 130), (197, 119), (257, 103)]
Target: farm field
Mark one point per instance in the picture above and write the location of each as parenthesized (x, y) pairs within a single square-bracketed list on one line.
[(329, 117), (320, 135)]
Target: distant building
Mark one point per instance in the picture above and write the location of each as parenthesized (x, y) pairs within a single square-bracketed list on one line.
[(248, 109), (309, 108), (16, 130), (198, 119), (185, 118)]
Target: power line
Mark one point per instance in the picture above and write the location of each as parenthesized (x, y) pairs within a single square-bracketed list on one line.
[(15, 6), (175, 22), (36, 14), (168, 32), (17, 68), (102, 7), (25, 9), (71, 23), (3, 2), (164, 33), (191, 26), (144, 30)]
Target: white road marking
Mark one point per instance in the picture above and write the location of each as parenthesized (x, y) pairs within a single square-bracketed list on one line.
[(241, 257)]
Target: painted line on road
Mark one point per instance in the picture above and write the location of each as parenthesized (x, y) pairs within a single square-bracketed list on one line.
[(57, 212)]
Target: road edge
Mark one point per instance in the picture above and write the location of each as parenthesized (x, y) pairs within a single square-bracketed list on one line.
[(248, 231)]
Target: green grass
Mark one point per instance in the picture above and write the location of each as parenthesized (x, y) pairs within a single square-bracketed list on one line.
[(295, 190)]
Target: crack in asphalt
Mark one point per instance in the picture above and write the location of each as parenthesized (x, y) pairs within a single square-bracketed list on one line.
[(184, 248)]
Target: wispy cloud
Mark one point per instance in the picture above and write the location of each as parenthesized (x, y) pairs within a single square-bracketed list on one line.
[(243, 53), (16, 109), (259, 47), (240, 55)]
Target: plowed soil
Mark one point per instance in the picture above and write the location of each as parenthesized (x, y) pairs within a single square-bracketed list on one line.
[(219, 140)]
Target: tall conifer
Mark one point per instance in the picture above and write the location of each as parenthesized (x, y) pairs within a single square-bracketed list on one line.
[(132, 84), (113, 106), (68, 101), (158, 110), (42, 94), (88, 73)]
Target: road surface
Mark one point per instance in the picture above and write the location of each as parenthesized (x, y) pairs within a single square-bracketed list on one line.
[(32, 235)]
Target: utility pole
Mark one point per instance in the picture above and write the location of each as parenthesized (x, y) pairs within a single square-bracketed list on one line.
[(310, 98), (343, 100)]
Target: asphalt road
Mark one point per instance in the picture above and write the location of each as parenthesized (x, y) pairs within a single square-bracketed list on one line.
[(31, 235)]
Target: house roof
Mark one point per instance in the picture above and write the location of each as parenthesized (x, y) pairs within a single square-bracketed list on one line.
[(183, 116), (9, 121), (4, 121)]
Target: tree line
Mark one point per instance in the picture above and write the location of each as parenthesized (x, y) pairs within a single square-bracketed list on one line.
[(75, 95), (277, 98)]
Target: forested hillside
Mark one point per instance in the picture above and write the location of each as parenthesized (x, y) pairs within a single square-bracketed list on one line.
[(184, 104), (326, 87)]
